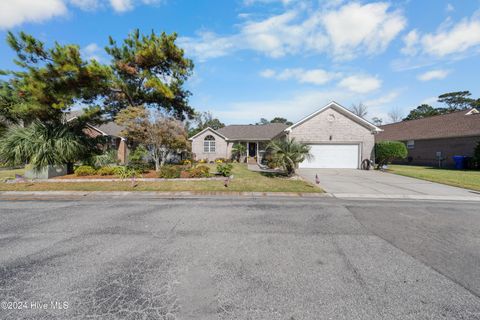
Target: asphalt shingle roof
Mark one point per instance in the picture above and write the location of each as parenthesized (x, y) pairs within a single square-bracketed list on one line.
[(110, 128), (455, 124), (252, 132)]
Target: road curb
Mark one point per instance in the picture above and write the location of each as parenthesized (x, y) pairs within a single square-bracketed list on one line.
[(360, 196), (18, 195)]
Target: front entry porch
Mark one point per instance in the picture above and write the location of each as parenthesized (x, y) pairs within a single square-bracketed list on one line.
[(255, 151)]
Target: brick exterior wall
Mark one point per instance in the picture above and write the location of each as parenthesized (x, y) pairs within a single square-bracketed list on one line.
[(341, 129), (424, 151), (222, 147)]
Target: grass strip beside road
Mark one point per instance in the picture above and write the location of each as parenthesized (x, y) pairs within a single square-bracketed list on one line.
[(456, 178), (244, 181)]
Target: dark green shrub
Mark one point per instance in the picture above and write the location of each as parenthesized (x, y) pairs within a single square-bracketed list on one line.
[(225, 169), (106, 171), (140, 166), (387, 151), (170, 171), (85, 171), (476, 155), (138, 154)]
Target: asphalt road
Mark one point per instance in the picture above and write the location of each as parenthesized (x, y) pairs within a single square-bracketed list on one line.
[(239, 259)]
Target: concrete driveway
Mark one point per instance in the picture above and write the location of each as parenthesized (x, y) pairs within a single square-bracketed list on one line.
[(376, 184)]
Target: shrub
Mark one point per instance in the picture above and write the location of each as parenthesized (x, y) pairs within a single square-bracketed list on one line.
[(138, 155), (125, 173), (108, 157), (85, 171), (170, 171), (196, 172), (387, 151), (187, 162), (225, 169), (476, 155), (106, 171), (140, 166)]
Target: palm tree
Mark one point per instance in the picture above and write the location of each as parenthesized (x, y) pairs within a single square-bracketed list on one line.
[(288, 153), (42, 144), (238, 151)]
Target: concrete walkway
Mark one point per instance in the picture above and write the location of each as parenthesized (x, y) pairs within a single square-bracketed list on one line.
[(349, 183)]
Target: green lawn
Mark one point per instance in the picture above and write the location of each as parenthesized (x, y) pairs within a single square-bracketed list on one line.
[(457, 178), (10, 174), (244, 181)]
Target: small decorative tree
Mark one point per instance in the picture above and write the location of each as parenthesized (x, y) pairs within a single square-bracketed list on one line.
[(160, 135), (387, 151), (238, 151), (288, 153)]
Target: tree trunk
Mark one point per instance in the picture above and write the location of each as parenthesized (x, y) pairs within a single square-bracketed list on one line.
[(157, 163)]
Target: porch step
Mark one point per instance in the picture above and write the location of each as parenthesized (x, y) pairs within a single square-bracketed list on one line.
[(251, 160)]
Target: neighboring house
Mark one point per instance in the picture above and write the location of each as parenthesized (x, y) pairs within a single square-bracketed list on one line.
[(337, 138), (435, 140), (111, 131)]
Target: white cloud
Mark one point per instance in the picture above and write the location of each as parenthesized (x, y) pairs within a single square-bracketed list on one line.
[(433, 75), (449, 7), (14, 13), (312, 76), (383, 100), (92, 51), (307, 30), (267, 73), (293, 108), (121, 5), (355, 27), (450, 39), (411, 43), (360, 83), (459, 38)]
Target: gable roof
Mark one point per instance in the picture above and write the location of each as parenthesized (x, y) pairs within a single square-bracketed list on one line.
[(252, 132), (342, 110), (107, 129), (456, 124), (208, 129)]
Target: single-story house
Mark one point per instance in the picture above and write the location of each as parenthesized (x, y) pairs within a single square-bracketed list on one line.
[(110, 130), (433, 141), (337, 137)]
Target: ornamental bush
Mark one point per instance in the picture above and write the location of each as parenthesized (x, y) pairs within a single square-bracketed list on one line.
[(225, 169), (106, 171), (85, 171), (169, 171), (387, 151), (198, 172)]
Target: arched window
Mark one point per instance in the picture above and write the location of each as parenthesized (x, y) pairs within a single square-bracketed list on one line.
[(209, 144)]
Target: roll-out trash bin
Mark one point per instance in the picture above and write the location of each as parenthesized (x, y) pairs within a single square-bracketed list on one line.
[(459, 162)]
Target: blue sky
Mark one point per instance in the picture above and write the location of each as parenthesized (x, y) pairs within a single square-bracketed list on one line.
[(267, 58)]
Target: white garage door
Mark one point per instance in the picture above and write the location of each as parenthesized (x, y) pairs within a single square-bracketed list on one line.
[(332, 156)]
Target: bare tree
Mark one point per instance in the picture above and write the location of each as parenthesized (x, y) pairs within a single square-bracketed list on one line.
[(395, 115), (359, 109), (377, 121)]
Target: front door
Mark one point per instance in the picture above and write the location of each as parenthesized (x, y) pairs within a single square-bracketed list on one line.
[(252, 149)]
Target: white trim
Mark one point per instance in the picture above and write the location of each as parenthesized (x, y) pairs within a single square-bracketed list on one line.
[(95, 128), (342, 110), (212, 130), (473, 111)]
